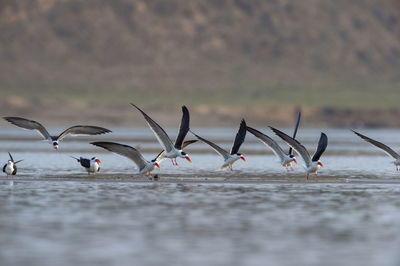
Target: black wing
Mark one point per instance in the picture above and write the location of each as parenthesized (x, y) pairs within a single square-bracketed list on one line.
[(184, 128), (15, 170), (4, 168), (85, 162), (322, 144), (240, 136), (295, 131), (11, 158)]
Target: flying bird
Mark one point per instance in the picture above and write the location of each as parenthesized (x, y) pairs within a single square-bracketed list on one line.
[(286, 159), (171, 151), (313, 164), (91, 165), (233, 156), (144, 166), (10, 167), (383, 147), (54, 140)]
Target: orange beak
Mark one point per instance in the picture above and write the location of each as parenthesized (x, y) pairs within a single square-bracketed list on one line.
[(243, 158), (320, 164), (295, 161), (157, 165), (97, 161), (188, 159)]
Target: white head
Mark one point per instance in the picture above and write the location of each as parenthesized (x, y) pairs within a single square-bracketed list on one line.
[(96, 160), (10, 163), (184, 155), (55, 145), (292, 158), (240, 156), (154, 162)]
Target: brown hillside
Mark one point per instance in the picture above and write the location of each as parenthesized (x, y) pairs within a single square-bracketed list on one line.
[(71, 47)]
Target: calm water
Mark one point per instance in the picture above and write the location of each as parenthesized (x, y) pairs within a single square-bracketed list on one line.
[(111, 222)]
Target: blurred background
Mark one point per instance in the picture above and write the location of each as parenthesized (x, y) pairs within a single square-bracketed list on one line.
[(85, 60)]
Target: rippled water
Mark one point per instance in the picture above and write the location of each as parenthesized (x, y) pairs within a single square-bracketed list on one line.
[(97, 221)]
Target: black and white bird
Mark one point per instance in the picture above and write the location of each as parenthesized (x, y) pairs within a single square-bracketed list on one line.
[(313, 164), (234, 155), (285, 159), (10, 168), (92, 165), (172, 151), (144, 166), (383, 147), (54, 140)]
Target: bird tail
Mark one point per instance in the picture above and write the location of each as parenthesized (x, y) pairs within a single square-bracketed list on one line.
[(75, 158)]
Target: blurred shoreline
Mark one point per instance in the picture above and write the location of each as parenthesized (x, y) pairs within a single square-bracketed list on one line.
[(205, 115)]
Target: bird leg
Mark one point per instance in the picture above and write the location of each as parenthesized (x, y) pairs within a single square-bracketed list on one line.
[(307, 176), (230, 167)]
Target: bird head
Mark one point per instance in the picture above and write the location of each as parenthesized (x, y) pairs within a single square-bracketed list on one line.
[(97, 160), (186, 156), (320, 164), (9, 162), (55, 145), (293, 158), (241, 156)]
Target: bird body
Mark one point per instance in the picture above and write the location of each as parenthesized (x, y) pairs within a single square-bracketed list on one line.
[(54, 140), (311, 165), (233, 156), (171, 151), (10, 168), (144, 166), (92, 165)]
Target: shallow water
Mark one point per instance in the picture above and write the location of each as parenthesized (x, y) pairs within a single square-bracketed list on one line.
[(100, 221), (95, 223)]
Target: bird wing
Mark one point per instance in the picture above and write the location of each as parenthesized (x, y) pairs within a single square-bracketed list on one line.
[(11, 158), (268, 142), (295, 130), (217, 148), (322, 144), (83, 130), (18, 161), (380, 145), (124, 150), (158, 131), (184, 145), (85, 162), (29, 124), (297, 146), (240, 136), (184, 128)]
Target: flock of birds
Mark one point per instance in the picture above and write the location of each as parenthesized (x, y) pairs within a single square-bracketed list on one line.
[(175, 150)]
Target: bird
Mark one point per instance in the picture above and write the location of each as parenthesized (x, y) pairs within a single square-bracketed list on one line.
[(172, 151), (144, 166), (313, 164), (10, 167), (285, 159), (233, 156), (91, 165), (383, 147), (54, 140)]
